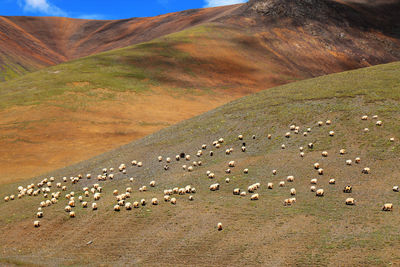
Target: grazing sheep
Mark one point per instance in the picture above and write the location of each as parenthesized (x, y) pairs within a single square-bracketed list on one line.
[(348, 162), (240, 137), (96, 196), (219, 226), (314, 181), (115, 192), (228, 151), (254, 197), (159, 158), (274, 172), (190, 168), (243, 149), (211, 175), (231, 163), (310, 145), (128, 189), (293, 191), (270, 185), (136, 204), (139, 164), (67, 208), (342, 151), (366, 130), (71, 203), (246, 171), (269, 136), (320, 123), (347, 189), (320, 171), (281, 184), (214, 187), (227, 180), (357, 160), (36, 224), (72, 214), (80, 198), (204, 147), (301, 149), (309, 130), (254, 136), (283, 146), (184, 167), (378, 123), (289, 201), (364, 118), (316, 165), (313, 188), (134, 162), (302, 154), (396, 188), (324, 153), (193, 190), (153, 183), (332, 181), (387, 207), (331, 133), (292, 127), (128, 206), (154, 201), (375, 116), (305, 133), (328, 122), (290, 178), (287, 135), (167, 198), (221, 140), (177, 157), (187, 157), (84, 204), (191, 198), (39, 214), (243, 193), (117, 208), (366, 170), (350, 201), (6, 199), (58, 185), (236, 191), (173, 201), (320, 193), (199, 163)]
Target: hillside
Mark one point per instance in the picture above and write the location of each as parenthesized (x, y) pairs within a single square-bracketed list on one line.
[(31, 43), (70, 112), (313, 231)]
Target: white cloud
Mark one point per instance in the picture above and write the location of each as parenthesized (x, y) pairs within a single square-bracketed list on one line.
[(43, 6), (212, 3)]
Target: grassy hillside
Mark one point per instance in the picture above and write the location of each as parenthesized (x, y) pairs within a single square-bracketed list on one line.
[(314, 231)]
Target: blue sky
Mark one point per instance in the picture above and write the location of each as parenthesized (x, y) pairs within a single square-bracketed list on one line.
[(103, 9)]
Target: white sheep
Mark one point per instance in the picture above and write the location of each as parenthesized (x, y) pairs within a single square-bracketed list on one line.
[(36, 224), (270, 185), (6, 198), (159, 158), (72, 214), (243, 149), (287, 135), (310, 145), (332, 181), (117, 208), (348, 162), (281, 183), (350, 201), (173, 201), (313, 188), (243, 193), (254, 197), (320, 171), (331, 133), (314, 181), (221, 140), (387, 207), (293, 191), (191, 198), (240, 137), (320, 123), (366, 170), (84, 204), (236, 191), (246, 171), (154, 201), (39, 214), (167, 198), (136, 204), (139, 164), (274, 172), (115, 192), (357, 160), (227, 180), (231, 163), (283, 146), (324, 153), (364, 118), (290, 178), (153, 183), (378, 123), (214, 187), (396, 188), (328, 122), (320, 193), (219, 226), (302, 154), (204, 147), (128, 206), (190, 168), (269, 136), (366, 130), (316, 165), (187, 157)]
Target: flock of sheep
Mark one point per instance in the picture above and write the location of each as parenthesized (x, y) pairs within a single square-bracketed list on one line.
[(51, 191)]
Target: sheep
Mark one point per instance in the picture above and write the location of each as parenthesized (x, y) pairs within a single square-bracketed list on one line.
[(72, 214), (188, 189), (6, 198), (144, 188), (134, 162), (293, 191), (375, 116), (332, 181), (320, 171), (366, 130), (313, 188), (159, 158), (240, 137), (68, 208), (199, 163), (281, 184), (243, 193), (290, 178), (227, 180), (184, 167), (193, 190), (39, 214), (292, 127), (58, 185), (121, 202), (231, 163), (71, 203), (115, 192), (139, 164), (80, 198), (204, 147), (190, 169), (228, 151), (283, 146), (364, 118), (36, 224), (128, 206), (136, 204), (173, 201), (117, 208), (243, 149), (366, 170), (302, 154), (310, 145), (324, 153), (313, 181), (391, 139), (214, 187), (347, 189), (246, 171), (84, 204), (305, 133), (236, 191), (219, 226), (175, 190), (357, 160), (211, 153), (395, 188), (154, 201), (167, 198), (64, 179), (191, 198), (378, 123), (331, 133), (187, 157), (289, 201), (320, 193), (96, 196), (153, 183), (274, 172), (254, 197), (269, 136), (328, 122), (287, 135), (270, 185), (308, 130), (387, 207), (253, 137), (316, 165), (348, 162), (350, 201), (320, 123), (177, 157)]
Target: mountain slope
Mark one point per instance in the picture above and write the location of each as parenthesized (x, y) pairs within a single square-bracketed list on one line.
[(31, 43), (84, 107), (314, 231)]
